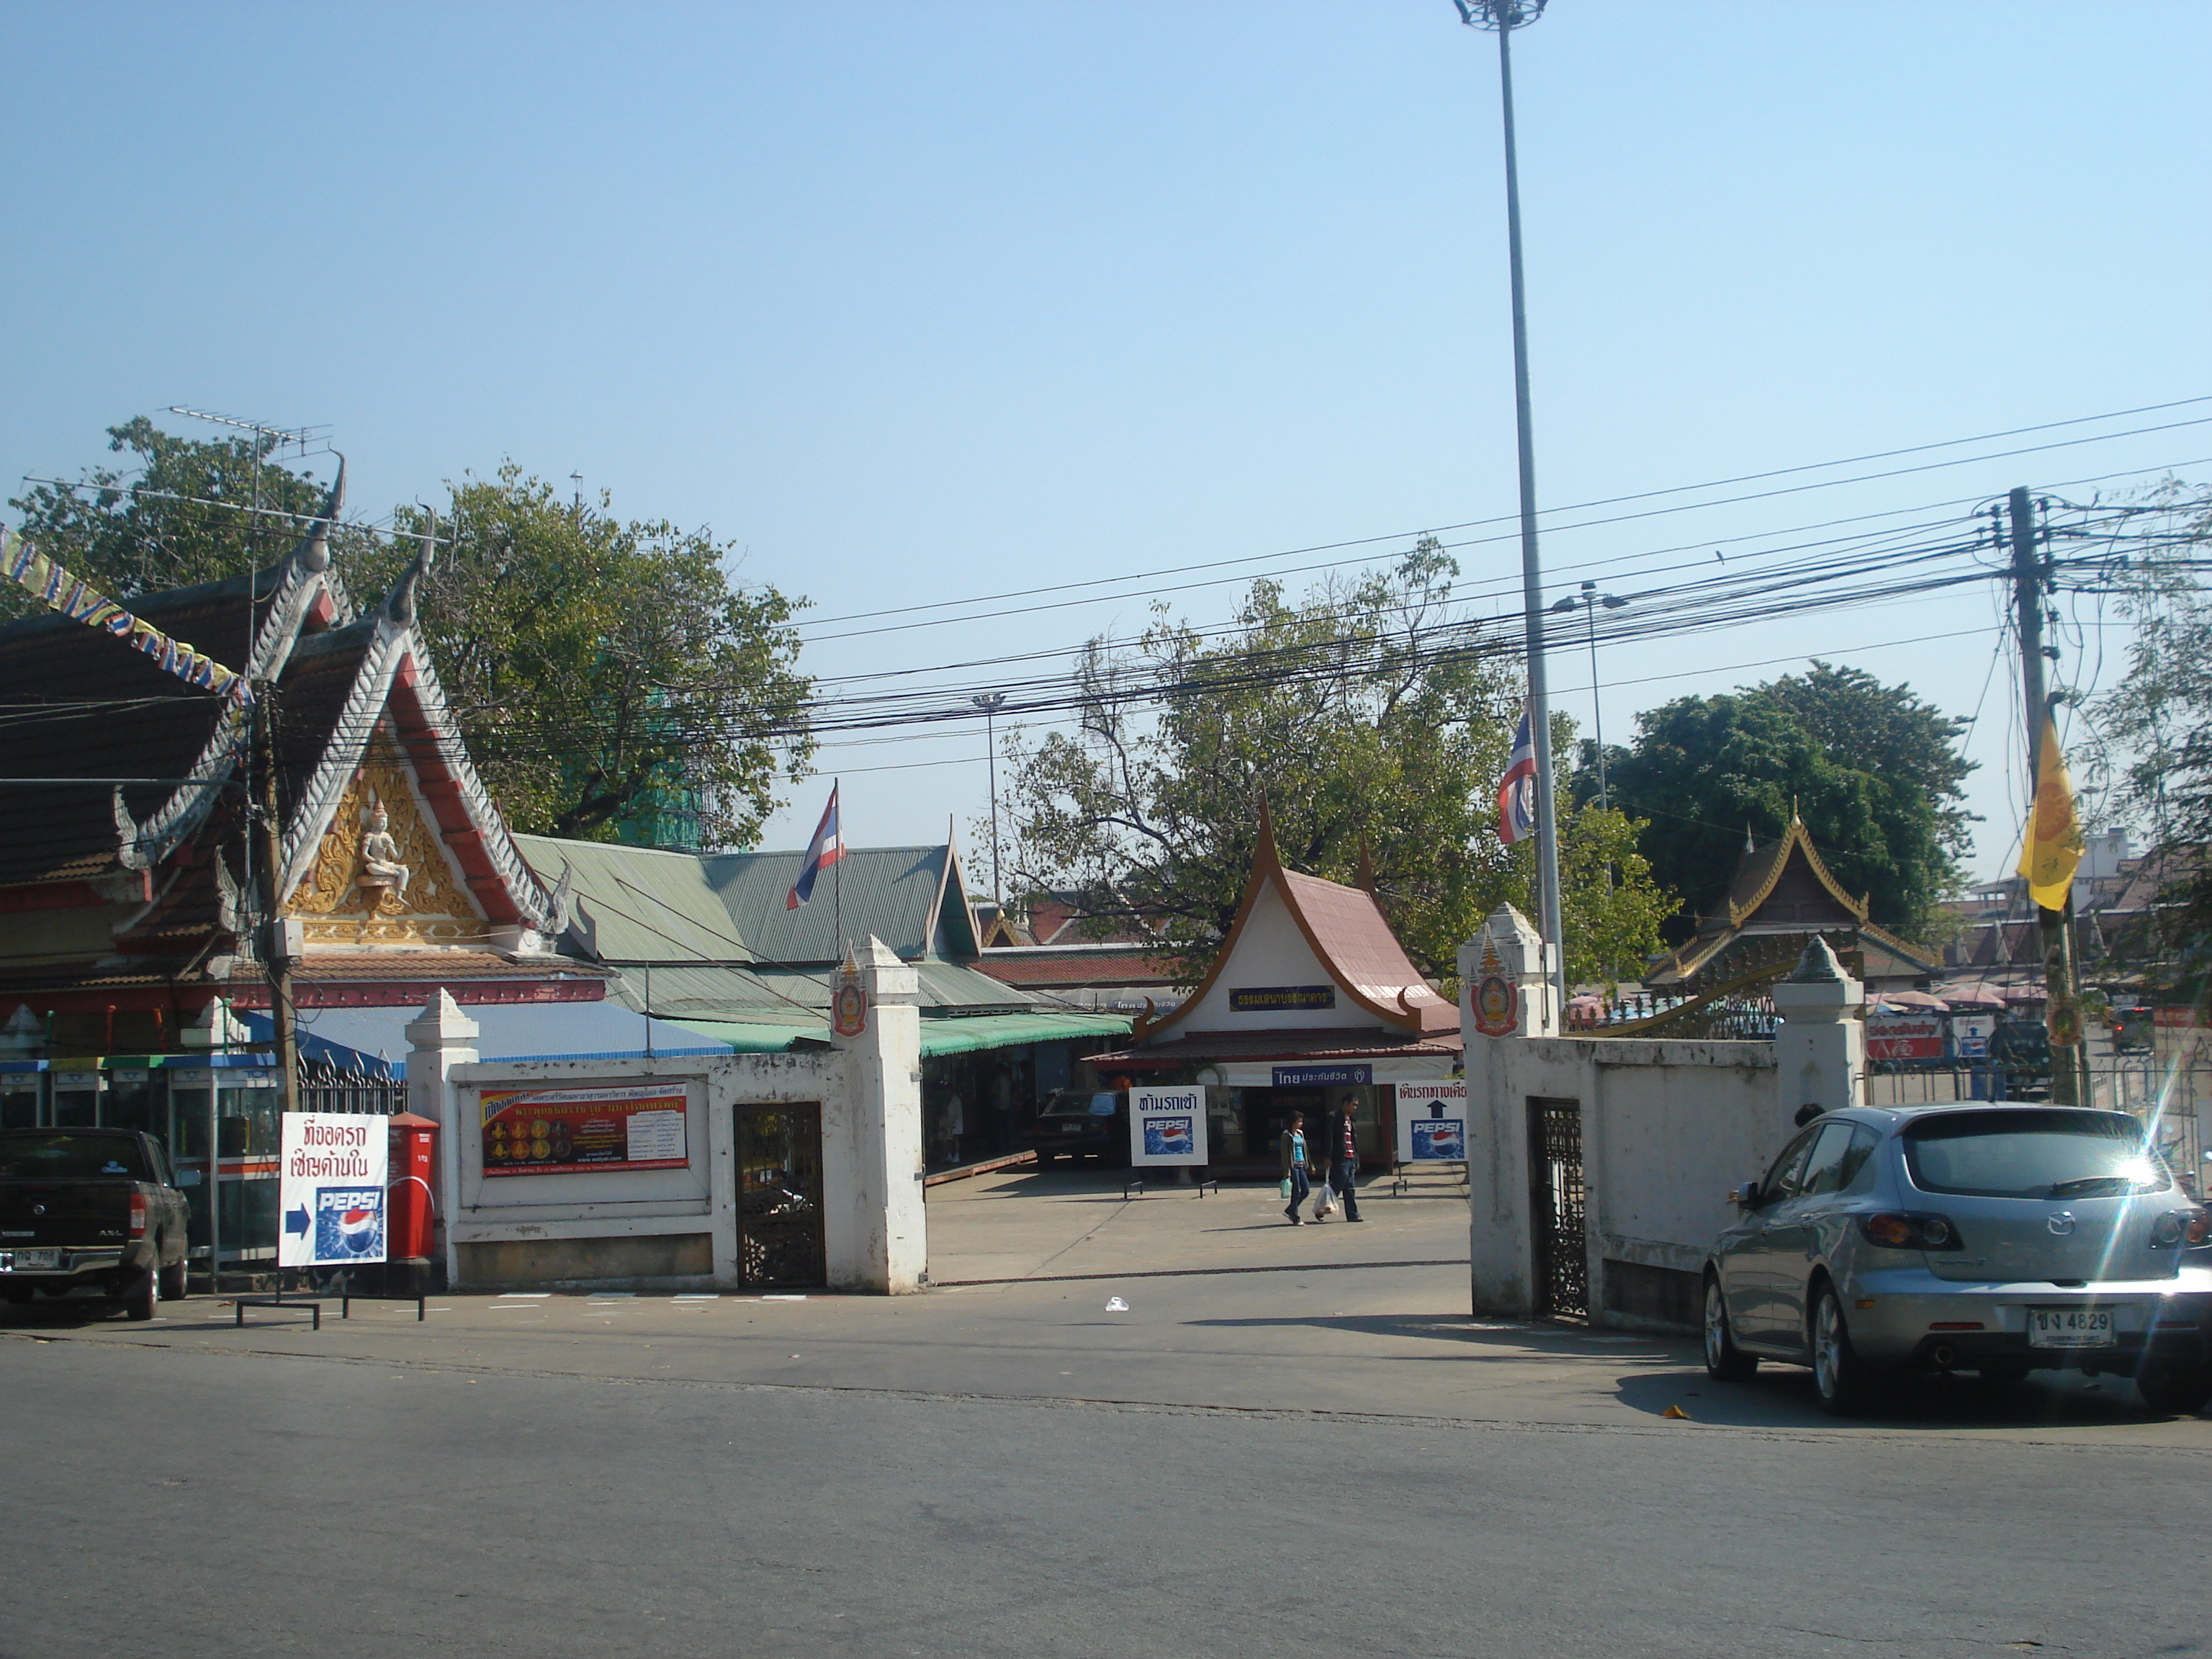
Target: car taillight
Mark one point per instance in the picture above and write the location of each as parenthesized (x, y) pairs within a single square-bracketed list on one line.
[(137, 1215), (2180, 1227), (1902, 1230)]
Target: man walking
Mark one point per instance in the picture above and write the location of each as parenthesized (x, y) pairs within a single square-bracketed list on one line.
[(1294, 1167), (1344, 1160)]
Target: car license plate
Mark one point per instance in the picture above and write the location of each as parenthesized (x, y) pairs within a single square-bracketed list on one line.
[(29, 1261), (2069, 1327)]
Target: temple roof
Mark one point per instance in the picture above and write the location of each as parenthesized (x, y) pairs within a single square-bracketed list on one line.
[(1349, 936), (1781, 895)]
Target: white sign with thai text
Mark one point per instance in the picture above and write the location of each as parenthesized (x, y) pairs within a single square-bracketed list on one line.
[(331, 1189), (1167, 1126), (1432, 1121)]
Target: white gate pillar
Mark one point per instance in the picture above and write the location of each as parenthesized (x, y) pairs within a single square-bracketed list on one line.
[(439, 1041), (1505, 994), (1820, 1049), (875, 1234)]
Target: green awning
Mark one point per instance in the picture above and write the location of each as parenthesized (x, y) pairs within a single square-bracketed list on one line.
[(965, 1035), (746, 1037), (958, 1036)]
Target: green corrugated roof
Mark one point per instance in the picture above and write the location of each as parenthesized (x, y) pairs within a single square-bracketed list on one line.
[(890, 892), (638, 903)]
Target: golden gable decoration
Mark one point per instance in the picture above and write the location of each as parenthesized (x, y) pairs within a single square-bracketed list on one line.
[(342, 902)]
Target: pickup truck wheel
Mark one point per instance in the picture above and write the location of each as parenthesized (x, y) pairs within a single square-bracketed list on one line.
[(174, 1285), (2179, 1389), (143, 1299)]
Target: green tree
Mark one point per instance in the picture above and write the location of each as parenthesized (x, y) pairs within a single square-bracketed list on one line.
[(605, 674), (1874, 771), (185, 517), (2159, 721), (1376, 724)]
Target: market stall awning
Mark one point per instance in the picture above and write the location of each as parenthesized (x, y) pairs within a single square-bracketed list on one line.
[(965, 1036)]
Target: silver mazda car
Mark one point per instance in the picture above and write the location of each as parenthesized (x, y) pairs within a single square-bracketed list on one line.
[(1996, 1239)]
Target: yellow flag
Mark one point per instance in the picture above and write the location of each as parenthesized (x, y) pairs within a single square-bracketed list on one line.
[(2053, 847)]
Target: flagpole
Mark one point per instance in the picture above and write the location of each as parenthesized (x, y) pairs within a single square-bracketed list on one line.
[(837, 877)]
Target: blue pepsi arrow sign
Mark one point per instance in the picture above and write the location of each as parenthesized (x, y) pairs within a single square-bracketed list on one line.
[(296, 1221)]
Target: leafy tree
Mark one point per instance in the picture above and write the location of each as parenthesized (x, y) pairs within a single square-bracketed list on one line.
[(1376, 724), (1874, 771), (606, 676), (183, 520), (2159, 720)]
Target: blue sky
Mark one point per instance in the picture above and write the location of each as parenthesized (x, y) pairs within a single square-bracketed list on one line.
[(924, 301)]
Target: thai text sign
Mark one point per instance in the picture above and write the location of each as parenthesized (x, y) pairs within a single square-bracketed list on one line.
[(1904, 1036), (583, 1131), (1167, 1126), (1432, 1122), (1295, 1077), (1263, 998), (331, 1189)]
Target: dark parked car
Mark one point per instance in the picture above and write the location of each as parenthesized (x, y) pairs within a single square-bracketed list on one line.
[(1996, 1239), (1079, 1123), (90, 1210)]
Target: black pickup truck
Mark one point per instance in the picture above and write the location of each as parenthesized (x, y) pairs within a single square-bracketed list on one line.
[(90, 1210)]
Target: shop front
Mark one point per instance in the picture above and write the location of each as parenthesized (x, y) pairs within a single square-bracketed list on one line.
[(1312, 1007)]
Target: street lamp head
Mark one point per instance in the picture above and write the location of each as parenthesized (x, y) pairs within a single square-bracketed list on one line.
[(1612, 602), (991, 702), (1500, 13), (1568, 604)]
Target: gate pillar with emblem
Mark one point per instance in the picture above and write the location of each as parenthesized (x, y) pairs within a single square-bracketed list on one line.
[(441, 1040), (875, 1235), (1505, 997)]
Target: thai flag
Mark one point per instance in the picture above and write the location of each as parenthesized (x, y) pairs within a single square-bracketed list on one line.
[(1517, 791), (824, 850)]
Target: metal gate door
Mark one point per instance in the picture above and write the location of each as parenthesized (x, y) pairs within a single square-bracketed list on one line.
[(780, 1195), (1556, 1206)]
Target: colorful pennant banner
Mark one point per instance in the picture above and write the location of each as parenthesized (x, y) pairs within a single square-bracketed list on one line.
[(72, 597)]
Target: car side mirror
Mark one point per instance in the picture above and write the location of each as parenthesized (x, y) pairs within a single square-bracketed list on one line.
[(1745, 1197)]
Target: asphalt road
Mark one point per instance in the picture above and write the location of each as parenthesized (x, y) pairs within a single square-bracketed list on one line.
[(181, 1500)]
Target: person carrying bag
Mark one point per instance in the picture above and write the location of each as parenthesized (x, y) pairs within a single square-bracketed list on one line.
[(1296, 1184)]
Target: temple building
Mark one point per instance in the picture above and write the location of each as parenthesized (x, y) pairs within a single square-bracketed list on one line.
[(1311, 1005), (1782, 896), (137, 864)]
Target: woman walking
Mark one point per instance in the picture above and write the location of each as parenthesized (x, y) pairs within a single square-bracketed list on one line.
[(1294, 1167)]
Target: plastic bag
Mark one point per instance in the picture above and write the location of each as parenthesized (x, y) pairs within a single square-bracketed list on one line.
[(1283, 1187), (1324, 1199)]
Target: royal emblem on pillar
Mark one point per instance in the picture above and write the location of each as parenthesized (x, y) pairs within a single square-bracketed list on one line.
[(849, 1003), (1494, 998)]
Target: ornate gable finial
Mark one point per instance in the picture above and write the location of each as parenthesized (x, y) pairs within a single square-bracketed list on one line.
[(1267, 850), (399, 604), (1365, 880)]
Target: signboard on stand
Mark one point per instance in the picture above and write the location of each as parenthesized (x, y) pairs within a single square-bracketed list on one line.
[(584, 1131), (1904, 1036), (331, 1195), (1971, 1034), (1432, 1122), (1167, 1126)]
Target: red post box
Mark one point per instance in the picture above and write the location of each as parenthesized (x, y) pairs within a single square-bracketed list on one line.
[(412, 1180)]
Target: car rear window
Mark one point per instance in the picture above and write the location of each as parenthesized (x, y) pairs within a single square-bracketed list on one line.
[(1079, 1104), (72, 1157), (2042, 1153)]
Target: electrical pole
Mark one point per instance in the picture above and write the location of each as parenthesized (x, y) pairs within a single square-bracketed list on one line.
[(2067, 1063), (1503, 18), (275, 949)]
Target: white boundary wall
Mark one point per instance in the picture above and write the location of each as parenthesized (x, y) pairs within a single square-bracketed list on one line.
[(677, 1229)]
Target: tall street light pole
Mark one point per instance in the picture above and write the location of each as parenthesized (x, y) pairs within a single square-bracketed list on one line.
[(1502, 17), (991, 703), (1587, 605)]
